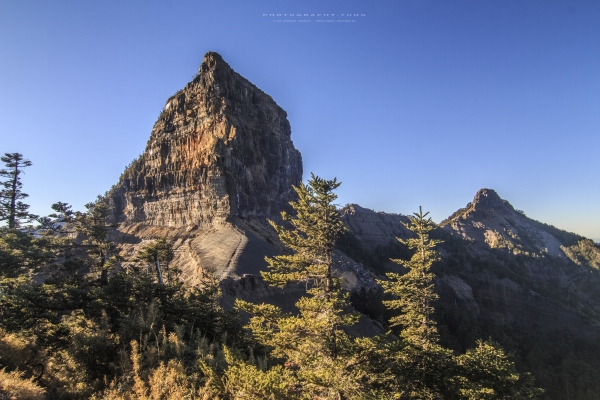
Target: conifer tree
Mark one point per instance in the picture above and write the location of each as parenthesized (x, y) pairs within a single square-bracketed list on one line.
[(321, 359), (63, 212), (12, 209), (422, 368), (485, 372), (316, 228), (93, 224), (420, 365), (160, 250), (414, 290), (52, 223)]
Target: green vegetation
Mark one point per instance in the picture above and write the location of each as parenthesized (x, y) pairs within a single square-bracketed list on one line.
[(584, 251), (424, 369), (74, 324), (80, 329), (160, 250), (12, 209), (414, 290), (319, 359), (566, 367)]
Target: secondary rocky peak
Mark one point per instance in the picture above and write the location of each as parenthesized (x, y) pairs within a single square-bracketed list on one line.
[(485, 203), (491, 222), (220, 148), (488, 198)]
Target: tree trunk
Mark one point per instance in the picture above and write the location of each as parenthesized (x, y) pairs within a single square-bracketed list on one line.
[(104, 271), (329, 278), (13, 200), (158, 272)]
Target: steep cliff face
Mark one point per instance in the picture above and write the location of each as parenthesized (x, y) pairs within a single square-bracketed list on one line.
[(220, 148)]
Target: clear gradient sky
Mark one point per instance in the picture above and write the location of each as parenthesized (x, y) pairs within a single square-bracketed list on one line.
[(419, 102)]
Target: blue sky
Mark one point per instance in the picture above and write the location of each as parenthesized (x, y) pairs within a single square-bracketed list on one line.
[(419, 102)]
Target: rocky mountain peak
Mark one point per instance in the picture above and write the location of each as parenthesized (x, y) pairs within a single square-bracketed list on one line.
[(221, 147), (487, 201), (494, 223), (213, 61), (488, 198)]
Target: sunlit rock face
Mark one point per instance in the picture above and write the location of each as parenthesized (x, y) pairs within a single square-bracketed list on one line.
[(492, 222), (220, 148), (523, 271)]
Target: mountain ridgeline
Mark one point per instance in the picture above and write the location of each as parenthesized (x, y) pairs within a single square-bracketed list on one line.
[(220, 161), (531, 286), (211, 234)]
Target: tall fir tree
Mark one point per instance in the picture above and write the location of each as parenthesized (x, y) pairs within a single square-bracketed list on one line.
[(63, 212), (12, 209), (321, 360), (421, 367), (315, 230), (414, 290), (93, 224)]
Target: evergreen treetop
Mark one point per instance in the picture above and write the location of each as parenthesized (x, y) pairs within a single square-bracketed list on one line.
[(94, 225), (160, 250), (414, 290), (12, 209), (315, 230), (320, 359)]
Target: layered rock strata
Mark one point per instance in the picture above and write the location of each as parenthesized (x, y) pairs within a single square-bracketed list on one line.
[(220, 148)]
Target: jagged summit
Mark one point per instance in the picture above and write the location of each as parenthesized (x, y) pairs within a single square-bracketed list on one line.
[(213, 61), (486, 202), (221, 147), (494, 223), (488, 198)]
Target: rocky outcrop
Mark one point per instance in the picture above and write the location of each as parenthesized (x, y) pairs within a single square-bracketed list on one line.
[(524, 271), (220, 148), (491, 222)]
